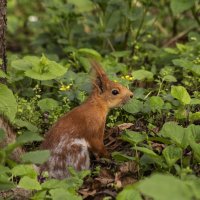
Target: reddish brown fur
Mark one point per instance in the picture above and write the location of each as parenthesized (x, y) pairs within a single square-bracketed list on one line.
[(84, 123)]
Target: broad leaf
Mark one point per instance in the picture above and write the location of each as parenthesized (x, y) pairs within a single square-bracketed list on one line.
[(172, 154), (36, 157), (29, 183), (178, 6), (45, 69), (142, 75), (47, 104), (133, 106), (118, 156), (28, 137), (146, 151), (24, 170), (165, 187), (8, 104), (156, 103), (5, 184), (60, 193), (173, 131), (180, 93), (133, 137), (129, 193)]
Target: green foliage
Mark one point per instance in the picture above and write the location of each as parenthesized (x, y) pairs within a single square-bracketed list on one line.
[(8, 105), (150, 47)]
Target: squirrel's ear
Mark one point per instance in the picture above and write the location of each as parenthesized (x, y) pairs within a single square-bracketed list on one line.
[(100, 78)]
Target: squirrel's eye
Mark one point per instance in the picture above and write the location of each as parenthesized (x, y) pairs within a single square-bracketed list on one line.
[(115, 92)]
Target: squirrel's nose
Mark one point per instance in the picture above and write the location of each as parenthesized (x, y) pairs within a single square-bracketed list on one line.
[(131, 95)]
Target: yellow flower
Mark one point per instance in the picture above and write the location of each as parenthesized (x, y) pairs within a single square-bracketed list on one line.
[(65, 87)]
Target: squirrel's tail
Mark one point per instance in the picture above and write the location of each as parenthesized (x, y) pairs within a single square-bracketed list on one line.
[(10, 137)]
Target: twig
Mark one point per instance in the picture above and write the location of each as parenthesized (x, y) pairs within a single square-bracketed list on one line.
[(177, 37)]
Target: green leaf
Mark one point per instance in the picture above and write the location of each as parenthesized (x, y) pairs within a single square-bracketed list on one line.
[(189, 65), (54, 183), (29, 183), (133, 106), (133, 137), (120, 157), (180, 93), (169, 78), (172, 154), (194, 116), (26, 63), (60, 193), (173, 131), (142, 75), (24, 170), (193, 133), (2, 74), (47, 104), (196, 149), (8, 104), (195, 101), (165, 187), (178, 6), (2, 134), (26, 124), (4, 170), (28, 137), (45, 70), (5, 184), (82, 6), (36, 157), (146, 151), (129, 193), (156, 103), (39, 195)]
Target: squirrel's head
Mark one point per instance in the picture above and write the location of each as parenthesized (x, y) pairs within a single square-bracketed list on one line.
[(112, 93)]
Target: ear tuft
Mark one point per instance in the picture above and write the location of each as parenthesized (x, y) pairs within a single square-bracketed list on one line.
[(100, 77)]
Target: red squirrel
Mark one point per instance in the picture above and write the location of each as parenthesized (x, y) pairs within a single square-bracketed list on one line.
[(82, 129)]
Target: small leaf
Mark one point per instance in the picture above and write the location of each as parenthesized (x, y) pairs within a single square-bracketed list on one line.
[(28, 137), (180, 93), (26, 124), (129, 193), (2, 74), (142, 75), (146, 151), (194, 116), (133, 106), (178, 6), (156, 103), (133, 137), (118, 156), (36, 157), (173, 131), (47, 104), (5, 184), (24, 170), (172, 154), (8, 104), (169, 78), (60, 193), (29, 183)]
